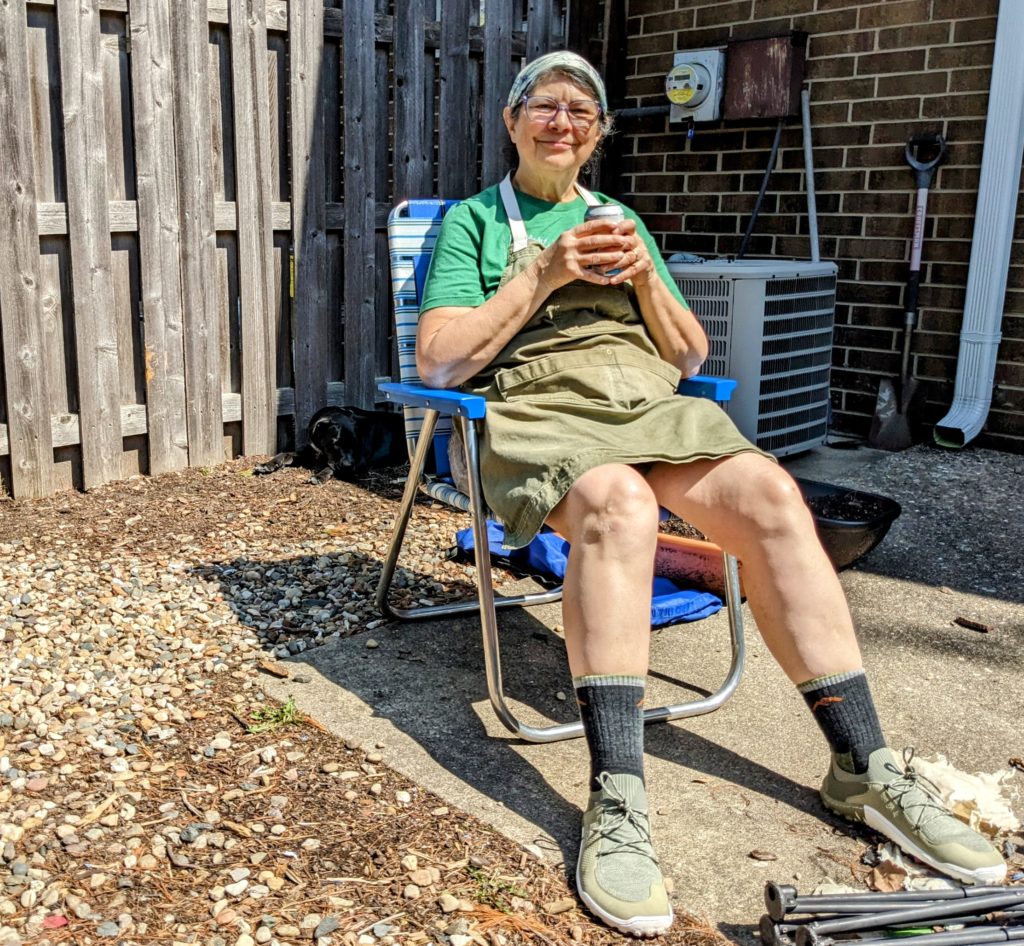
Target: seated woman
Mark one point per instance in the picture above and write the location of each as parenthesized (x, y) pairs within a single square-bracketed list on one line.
[(577, 337)]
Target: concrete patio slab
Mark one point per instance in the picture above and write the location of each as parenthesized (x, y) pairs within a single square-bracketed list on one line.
[(744, 779)]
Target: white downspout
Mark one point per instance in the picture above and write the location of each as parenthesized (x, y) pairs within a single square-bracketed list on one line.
[(993, 234)]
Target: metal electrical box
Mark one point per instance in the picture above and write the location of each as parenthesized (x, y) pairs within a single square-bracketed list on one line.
[(694, 84), (764, 76)]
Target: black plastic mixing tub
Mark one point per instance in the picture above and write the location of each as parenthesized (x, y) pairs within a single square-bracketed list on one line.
[(850, 522)]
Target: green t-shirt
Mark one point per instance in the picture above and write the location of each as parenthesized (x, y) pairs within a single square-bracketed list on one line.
[(473, 244)]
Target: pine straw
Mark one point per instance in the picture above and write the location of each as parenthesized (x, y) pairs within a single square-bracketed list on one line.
[(356, 873)]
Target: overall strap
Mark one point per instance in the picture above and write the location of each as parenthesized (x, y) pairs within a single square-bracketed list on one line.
[(515, 217)]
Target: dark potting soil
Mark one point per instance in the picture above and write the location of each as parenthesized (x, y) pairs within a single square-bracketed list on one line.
[(851, 507), (848, 507)]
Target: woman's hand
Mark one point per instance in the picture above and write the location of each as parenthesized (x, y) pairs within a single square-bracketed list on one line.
[(635, 263), (586, 251)]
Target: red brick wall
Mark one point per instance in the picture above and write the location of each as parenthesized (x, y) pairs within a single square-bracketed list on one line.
[(877, 72)]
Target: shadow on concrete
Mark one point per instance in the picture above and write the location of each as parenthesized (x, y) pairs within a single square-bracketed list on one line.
[(959, 528), (427, 680)]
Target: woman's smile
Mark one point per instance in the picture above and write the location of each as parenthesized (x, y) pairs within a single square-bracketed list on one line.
[(552, 152)]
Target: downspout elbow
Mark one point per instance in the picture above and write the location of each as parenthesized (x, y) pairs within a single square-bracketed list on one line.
[(975, 377)]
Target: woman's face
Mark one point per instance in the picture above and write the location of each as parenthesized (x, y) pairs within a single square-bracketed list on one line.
[(556, 145)]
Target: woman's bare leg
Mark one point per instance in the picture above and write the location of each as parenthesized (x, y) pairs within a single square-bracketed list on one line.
[(610, 517), (752, 508)]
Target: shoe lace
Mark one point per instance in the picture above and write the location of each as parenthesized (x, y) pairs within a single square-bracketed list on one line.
[(916, 795), (617, 814)]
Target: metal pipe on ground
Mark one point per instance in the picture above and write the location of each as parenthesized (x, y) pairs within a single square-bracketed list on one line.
[(808, 935), (786, 933), (970, 936), (783, 899)]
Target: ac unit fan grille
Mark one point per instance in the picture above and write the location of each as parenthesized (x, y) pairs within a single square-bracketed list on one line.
[(793, 441), (801, 284), (803, 342), (798, 419), (778, 384), (793, 304), (787, 401), (794, 321), (710, 302), (813, 322)]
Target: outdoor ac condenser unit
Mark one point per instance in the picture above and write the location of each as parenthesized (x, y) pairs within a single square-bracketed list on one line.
[(769, 325)]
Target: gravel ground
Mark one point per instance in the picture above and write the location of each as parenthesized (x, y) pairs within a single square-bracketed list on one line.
[(149, 790)]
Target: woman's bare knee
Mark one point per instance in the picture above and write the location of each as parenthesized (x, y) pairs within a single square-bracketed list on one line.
[(744, 497), (612, 502)]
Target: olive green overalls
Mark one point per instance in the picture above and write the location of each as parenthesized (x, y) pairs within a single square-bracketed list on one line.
[(581, 385)]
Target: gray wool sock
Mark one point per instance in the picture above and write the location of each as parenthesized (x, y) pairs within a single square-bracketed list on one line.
[(612, 710), (842, 706)]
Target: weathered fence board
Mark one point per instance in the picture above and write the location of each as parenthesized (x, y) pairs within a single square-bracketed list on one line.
[(28, 403), (211, 179), (255, 225), (456, 160), (360, 134), (309, 216), (159, 235), (203, 410), (540, 21), (498, 76), (413, 101), (44, 80), (99, 387)]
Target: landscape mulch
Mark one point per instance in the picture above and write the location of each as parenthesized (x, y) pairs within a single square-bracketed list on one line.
[(150, 792)]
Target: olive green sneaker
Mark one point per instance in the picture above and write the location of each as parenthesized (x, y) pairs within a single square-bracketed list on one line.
[(617, 874), (904, 806)]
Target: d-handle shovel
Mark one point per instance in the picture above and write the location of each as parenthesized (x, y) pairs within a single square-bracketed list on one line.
[(890, 427)]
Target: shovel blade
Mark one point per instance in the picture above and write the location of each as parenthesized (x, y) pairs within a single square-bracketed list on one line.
[(889, 427)]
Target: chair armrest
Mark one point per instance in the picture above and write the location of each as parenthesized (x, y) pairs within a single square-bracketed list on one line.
[(416, 394), (705, 385)]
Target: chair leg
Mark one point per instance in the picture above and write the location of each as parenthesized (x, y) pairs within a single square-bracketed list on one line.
[(734, 606), (487, 602), (416, 464), (488, 614), (405, 509)]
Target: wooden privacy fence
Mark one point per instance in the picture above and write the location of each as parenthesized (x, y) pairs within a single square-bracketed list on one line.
[(192, 206)]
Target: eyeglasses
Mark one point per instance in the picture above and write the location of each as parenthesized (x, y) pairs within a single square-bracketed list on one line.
[(582, 113)]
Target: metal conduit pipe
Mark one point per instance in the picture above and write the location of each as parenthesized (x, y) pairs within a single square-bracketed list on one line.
[(993, 232), (643, 111)]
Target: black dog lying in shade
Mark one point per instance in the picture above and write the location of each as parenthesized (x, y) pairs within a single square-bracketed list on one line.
[(346, 442)]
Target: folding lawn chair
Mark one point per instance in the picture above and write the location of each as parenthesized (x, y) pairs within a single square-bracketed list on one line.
[(429, 413)]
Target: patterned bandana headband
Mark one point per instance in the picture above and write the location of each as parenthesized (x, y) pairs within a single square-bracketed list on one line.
[(566, 62)]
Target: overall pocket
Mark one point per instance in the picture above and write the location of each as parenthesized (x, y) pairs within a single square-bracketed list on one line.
[(607, 377)]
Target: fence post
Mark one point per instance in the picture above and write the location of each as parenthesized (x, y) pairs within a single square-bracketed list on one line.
[(309, 210), (29, 435)]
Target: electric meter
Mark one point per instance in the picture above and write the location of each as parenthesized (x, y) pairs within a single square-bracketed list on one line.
[(688, 84), (694, 84)]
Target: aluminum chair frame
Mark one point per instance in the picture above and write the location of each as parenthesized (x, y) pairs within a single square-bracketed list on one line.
[(468, 412)]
